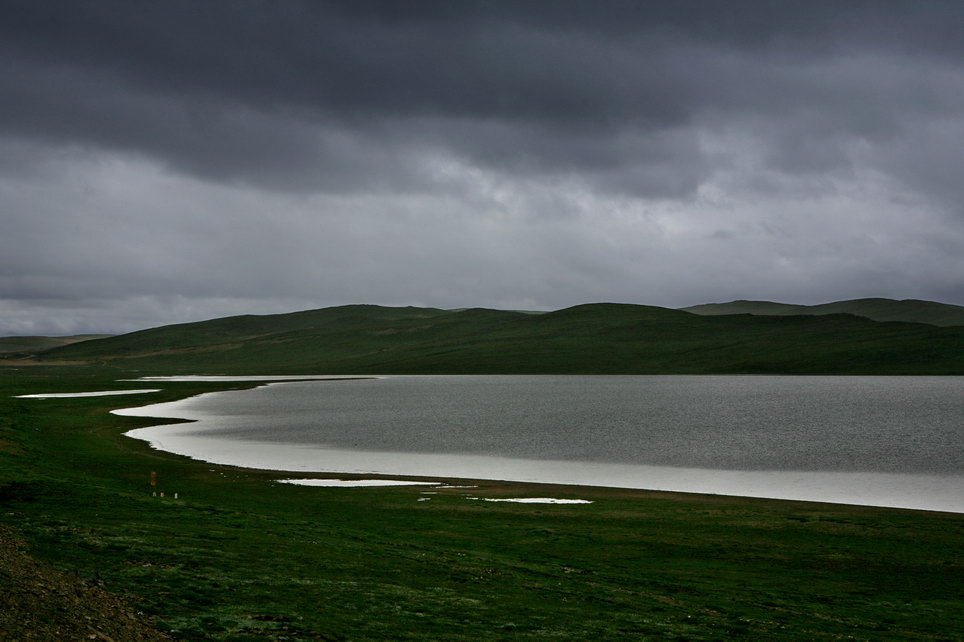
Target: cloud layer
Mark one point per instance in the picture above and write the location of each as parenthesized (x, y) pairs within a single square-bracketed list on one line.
[(165, 162)]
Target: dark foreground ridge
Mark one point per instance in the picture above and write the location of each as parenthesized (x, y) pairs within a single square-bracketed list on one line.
[(601, 338), (38, 602)]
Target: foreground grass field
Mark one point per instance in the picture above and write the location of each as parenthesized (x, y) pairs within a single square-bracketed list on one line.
[(237, 557)]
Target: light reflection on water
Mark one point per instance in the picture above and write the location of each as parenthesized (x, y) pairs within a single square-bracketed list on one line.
[(891, 441)]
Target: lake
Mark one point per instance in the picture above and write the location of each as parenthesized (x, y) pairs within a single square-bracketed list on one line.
[(892, 441)]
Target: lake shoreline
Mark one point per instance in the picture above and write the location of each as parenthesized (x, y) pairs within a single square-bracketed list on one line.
[(370, 563), (936, 493)]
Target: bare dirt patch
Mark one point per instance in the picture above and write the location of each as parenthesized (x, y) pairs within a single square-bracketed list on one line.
[(38, 602)]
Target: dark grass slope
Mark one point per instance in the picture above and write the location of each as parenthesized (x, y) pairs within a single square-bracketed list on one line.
[(907, 310), (596, 338), (34, 344), (231, 330)]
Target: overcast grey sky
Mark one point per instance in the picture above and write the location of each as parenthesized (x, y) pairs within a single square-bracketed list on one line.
[(174, 161)]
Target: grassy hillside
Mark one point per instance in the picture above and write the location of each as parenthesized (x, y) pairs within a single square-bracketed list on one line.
[(908, 310), (29, 344), (595, 338)]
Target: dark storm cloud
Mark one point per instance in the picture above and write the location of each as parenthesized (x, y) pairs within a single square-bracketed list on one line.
[(173, 160), (293, 94)]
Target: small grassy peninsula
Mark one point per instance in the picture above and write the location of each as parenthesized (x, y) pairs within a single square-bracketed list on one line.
[(239, 557)]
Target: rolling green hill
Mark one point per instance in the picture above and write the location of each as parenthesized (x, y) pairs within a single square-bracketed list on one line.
[(595, 338), (32, 344), (909, 310)]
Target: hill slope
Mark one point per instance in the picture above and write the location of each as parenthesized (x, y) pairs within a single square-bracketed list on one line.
[(909, 310), (42, 603), (34, 344), (595, 338)]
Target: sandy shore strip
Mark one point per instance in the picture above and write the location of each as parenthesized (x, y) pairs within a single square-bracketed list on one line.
[(370, 483), (535, 500), (894, 490), (228, 378), (100, 393), (354, 483)]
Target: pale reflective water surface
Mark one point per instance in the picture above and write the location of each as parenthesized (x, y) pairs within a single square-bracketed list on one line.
[(895, 441)]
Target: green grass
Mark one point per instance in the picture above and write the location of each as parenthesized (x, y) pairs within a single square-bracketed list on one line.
[(589, 339), (237, 557)]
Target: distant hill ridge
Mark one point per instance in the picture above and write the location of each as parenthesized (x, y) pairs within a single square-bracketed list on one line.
[(599, 338), (908, 310), (31, 344)]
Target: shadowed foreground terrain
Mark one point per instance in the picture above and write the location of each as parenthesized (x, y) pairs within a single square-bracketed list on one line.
[(42, 603), (238, 557)]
